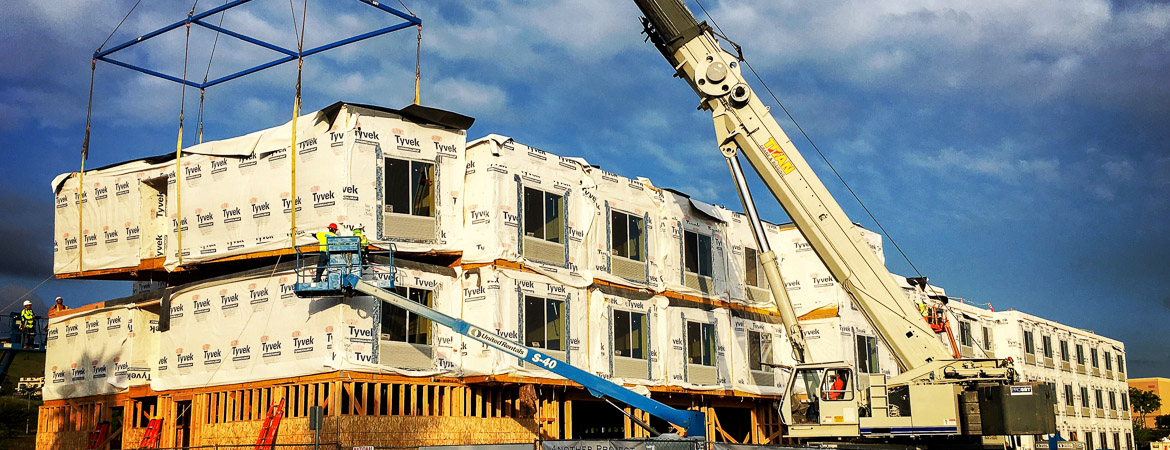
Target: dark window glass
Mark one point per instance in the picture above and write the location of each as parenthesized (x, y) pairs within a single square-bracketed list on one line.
[(1029, 344), (867, 360), (701, 343), (629, 334), (544, 323), (397, 186), (751, 266), (403, 326), (986, 338), (543, 215), (755, 352), (1108, 361), (965, 333), (554, 224), (1046, 341), (705, 259), (1093, 357), (1080, 354), (410, 187), (637, 241), (691, 252), (1064, 356), (620, 234), (1084, 397), (1068, 395), (533, 213)]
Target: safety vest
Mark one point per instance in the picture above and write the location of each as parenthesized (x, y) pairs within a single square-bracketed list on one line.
[(358, 232), (58, 307), (322, 236), (27, 319)]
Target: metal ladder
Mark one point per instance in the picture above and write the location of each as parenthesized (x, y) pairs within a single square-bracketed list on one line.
[(271, 423)]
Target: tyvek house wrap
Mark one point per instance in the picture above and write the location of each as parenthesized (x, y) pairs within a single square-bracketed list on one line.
[(501, 176), (255, 328), (236, 194), (101, 351), (679, 215)]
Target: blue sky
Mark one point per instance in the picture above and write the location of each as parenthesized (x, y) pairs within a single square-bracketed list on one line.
[(1017, 151)]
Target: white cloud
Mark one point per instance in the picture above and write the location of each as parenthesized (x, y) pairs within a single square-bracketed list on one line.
[(1002, 163)]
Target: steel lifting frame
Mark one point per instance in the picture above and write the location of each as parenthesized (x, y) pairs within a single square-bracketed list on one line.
[(290, 55)]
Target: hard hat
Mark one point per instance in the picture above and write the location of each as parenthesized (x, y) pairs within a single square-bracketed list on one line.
[(27, 303), (60, 299), (332, 226)]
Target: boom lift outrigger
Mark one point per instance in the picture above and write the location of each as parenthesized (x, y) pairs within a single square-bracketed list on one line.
[(822, 399)]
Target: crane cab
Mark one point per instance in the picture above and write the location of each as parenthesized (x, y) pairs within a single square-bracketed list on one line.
[(821, 400)]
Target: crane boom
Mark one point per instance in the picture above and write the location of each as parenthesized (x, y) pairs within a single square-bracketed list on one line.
[(743, 124)]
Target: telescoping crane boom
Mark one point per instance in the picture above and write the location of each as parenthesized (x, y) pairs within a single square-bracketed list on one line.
[(822, 398)]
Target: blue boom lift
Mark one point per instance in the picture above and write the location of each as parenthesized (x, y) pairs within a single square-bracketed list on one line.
[(348, 273)]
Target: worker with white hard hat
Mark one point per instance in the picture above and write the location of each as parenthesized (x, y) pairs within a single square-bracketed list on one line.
[(59, 306), (27, 322)]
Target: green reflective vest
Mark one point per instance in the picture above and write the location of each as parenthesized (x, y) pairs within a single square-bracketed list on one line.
[(27, 319), (360, 233)]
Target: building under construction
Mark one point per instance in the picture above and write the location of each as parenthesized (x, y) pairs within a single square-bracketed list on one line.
[(638, 284)]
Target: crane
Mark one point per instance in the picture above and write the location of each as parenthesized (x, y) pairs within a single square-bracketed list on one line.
[(934, 392)]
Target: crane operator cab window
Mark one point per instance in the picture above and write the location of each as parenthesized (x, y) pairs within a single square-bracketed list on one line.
[(814, 386)]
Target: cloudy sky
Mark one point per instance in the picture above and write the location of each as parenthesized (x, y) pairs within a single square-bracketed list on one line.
[(1017, 151)]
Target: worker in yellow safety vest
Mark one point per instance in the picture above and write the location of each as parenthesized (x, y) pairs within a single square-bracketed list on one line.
[(322, 258), (59, 306), (27, 322), (360, 231)]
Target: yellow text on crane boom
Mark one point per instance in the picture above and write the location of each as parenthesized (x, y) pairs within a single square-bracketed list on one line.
[(782, 160)]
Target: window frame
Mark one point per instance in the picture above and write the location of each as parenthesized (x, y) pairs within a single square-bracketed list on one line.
[(986, 338), (644, 348), (753, 268), (413, 197), (1064, 355), (870, 344), (1099, 396), (559, 324), (1093, 358), (1085, 397), (706, 343), (1080, 354), (1029, 343), (409, 293), (1068, 395), (1046, 345), (698, 253), (640, 241), (1108, 358), (544, 229), (757, 358), (965, 337)]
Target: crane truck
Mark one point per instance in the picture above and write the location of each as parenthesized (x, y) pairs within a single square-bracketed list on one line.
[(935, 394)]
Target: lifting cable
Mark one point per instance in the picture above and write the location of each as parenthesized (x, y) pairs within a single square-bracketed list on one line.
[(300, 35), (179, 141), (814, 146), (85, 144), (214, 43), (417, 54)]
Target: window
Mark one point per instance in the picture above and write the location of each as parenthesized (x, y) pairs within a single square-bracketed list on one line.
[(1029, 343), (753, 268), (1084, 397), (1093, 357), (701, 343), (543, 215), (1100, 399), (404, 326), (1120, 364), (630, 334), (1089, 440), (1068, 395), (1104, 439), (1064, 356), (1124, 401), (987, 338), (1117, 441), (1108, 362), (544, 323), (410, 187), (1046, 341), (867, 358), (965, 333), (1080, 354), (1112, 400), (759, 350), (697, 253), (628, 235)]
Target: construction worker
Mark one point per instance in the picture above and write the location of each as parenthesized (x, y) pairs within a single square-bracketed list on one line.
[(28, 323), (837, 390), (360, 231), (322, 257), (59, 306)]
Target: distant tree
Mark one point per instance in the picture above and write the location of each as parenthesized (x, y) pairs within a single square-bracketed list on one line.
[(1144, 403), (1162, 422)]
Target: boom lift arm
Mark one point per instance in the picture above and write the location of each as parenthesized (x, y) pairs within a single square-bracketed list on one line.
[(345, 270)]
